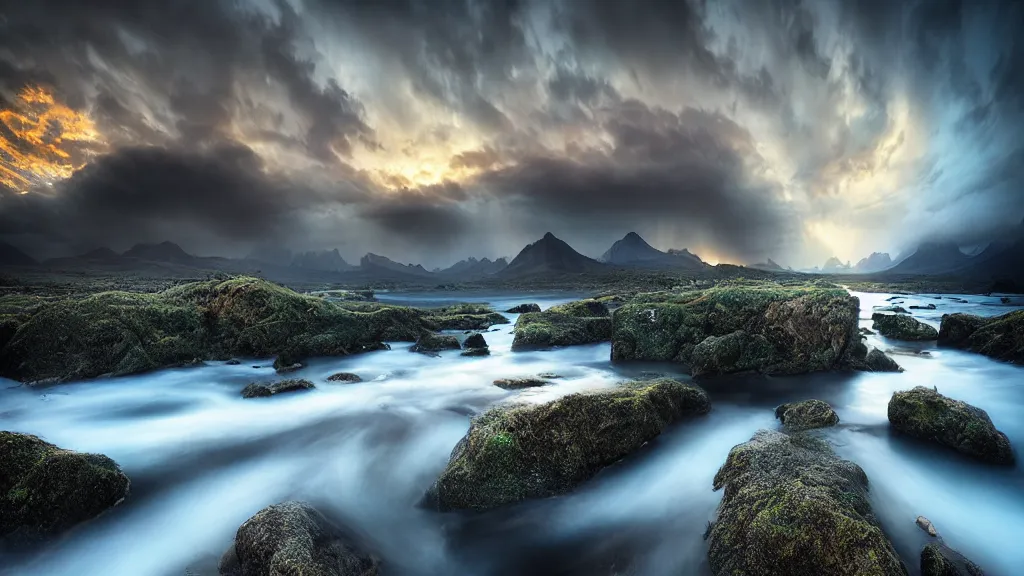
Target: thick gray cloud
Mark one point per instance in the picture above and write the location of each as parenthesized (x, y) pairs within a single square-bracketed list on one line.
[(791, 129)]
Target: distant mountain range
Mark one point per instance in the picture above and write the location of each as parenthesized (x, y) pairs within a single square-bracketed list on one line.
[(632, 250), (550, 255), (11, 256), (769, 265), (877, 262), (471, 268), (834, 266), (932, 258)]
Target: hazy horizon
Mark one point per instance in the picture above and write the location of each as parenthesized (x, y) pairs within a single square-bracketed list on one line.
[(429, 132)]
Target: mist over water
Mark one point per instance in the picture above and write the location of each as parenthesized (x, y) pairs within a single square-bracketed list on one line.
[(202, 460)]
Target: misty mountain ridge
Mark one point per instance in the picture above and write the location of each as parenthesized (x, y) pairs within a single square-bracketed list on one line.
[(633, 250), (371, 261), (833, 266), (768, 265), (932, 258), (876, 262), (329, 260), (471, 268), (165, 251), (12, 256), (550, 255)]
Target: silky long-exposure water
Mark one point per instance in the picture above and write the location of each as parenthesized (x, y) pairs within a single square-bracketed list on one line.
[(202, 459)]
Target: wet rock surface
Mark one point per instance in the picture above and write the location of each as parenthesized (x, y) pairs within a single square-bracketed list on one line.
[(431, 342), (45, 490), (925, 414), (900, 327), (581, 322), (1001, 337), (267, 389), (344, 377), (806, 415), (293, 538), (513, 453), (523, 309), (792, 507)]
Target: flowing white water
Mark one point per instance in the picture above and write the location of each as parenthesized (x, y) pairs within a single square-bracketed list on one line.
[(202, 459)]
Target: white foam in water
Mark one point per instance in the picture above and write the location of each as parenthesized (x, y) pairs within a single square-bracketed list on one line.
[(203, 459)]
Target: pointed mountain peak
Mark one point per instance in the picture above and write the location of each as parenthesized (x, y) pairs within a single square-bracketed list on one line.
[(549, 236), (632, 236)]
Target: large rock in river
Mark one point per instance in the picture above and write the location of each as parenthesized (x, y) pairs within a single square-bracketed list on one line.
[(293, 538), (431, 342), (1001, 337), (900, 327), (770, 329), (937, 559), (792, 507), (512, 453), (267, 389), (45, 490), (581, 322), (806, 415), (924, 413)]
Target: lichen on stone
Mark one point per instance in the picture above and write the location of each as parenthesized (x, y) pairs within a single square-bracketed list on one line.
[(797, 416)]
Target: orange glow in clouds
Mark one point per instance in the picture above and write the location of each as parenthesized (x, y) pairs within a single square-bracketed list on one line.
[(42, 140)]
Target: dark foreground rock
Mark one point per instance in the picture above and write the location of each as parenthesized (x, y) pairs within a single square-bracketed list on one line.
[(1001, 337), (267, 389), (937, 559), (524, 308), (924, 413), (512, 453), (893, 309), (878, 361), (792, 507), (900, 327), (806, 415), (44, 490), (117, 333), (770, 329), (431, 342), (344, 377), (293, 538), (475, 340), (581, 322)]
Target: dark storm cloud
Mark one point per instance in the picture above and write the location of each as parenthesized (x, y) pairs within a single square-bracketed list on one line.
[(693, 168), (137, 194)]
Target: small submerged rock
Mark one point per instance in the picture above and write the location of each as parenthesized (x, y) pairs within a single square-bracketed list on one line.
[(475, 345), (433, 342), (266, 389), (519, 383), (523, 309), (924, 413), (806, 415), (513, 453), (45, 490), (899, 327), (294, 538), (925, 307), (791, 506), (233, 362), (344, 377), (893, 309)]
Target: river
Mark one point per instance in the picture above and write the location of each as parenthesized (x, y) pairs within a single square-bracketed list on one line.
[(202, 459)]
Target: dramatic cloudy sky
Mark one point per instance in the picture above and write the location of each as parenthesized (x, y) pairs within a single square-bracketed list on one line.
[(432, 130)]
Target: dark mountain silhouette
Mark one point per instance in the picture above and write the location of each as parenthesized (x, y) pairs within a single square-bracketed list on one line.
[(550, 255), (632, 250), (162, 252), (471, 268), (768, 265), (11, 256), (877, 262), (329, 260), (932, 258), (375, 263), (835, 266), (96, 257)]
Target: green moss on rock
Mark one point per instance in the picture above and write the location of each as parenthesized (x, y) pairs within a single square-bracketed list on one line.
[(937, 559), (519, 383), (293, 538), (900, 327), (768, 328), (512, 453), (792, 507), (267, 389), (1001, 337), (45, 490), (523, 309), (797, 416), (344, 377), (573, 323), (924, 413), (475, 340), (431, 342)]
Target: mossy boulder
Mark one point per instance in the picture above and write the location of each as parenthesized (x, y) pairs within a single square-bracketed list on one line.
[(519, 383), (582, 322), (767, 328), (792, 507), (267, 389), (116, 333), (431, 342), (512, 453), (797, 416), (523, 309), (344, 377), (1001, 337), (45, 490), (937, 559), (294, 538), (878, 361), (893, 309), (900, 327), (924, 413), (475, 340)]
